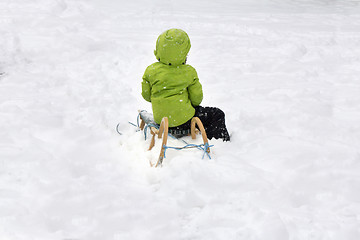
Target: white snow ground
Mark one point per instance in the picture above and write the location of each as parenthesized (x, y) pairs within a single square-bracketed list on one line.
[(287, 74)]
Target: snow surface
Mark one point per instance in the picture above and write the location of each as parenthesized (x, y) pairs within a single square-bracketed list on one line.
[(286, 73)]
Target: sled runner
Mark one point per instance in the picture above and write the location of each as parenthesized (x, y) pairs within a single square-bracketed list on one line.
[(162, 132)]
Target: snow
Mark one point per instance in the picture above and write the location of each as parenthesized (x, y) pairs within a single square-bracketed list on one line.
[(286, 73)]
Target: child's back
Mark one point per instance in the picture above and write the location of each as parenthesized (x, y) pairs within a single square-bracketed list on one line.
[(172, 86)]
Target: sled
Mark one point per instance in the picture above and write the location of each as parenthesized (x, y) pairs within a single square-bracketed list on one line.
[(162, 132)]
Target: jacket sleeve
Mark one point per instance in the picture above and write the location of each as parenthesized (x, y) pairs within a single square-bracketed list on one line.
[(146, 89), (195, 92)]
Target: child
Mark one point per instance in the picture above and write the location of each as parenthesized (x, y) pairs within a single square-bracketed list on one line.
[(174, 90)]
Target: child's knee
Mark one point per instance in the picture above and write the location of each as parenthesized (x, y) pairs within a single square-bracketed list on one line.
[(219, 113)]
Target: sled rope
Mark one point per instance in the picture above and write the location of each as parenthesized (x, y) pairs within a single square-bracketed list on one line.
[(117, 129), (203, 147), (147, 126), (133, 124)]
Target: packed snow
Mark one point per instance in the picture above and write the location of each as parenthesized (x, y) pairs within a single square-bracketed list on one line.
[(286, 73)]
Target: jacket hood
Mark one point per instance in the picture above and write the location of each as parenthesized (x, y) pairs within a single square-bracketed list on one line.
[(172, 47)]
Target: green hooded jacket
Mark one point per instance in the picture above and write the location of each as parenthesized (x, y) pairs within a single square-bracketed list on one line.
[(172, 86)]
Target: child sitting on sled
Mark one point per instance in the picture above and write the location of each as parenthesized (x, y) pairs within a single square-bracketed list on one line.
[(174, 90)]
